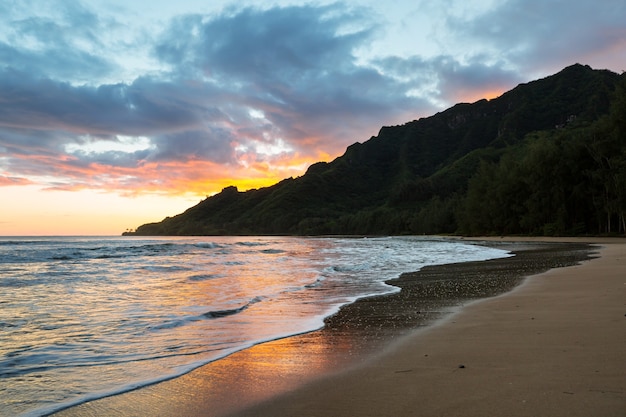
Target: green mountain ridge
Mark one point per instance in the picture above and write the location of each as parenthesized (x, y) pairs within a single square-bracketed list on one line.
[(547, 157)]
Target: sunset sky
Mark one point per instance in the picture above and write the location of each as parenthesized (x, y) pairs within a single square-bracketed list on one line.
[(114, 113)]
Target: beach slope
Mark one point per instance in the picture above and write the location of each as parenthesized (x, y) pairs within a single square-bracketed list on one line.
[(552, 347)]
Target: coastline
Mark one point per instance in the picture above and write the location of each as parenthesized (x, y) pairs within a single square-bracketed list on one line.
[(261, 379)]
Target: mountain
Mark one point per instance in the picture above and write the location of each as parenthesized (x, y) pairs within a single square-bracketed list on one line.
[(547, 157)]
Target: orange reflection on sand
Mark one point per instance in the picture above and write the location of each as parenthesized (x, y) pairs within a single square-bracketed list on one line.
[(259, 373), (312, 353)]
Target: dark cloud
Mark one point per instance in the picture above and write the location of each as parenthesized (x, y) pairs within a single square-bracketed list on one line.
[(27, 141), (144, 107), (266, 46), (214, 144), (296, 64)]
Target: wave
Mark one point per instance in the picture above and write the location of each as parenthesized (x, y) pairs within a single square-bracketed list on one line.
[(204, 277), (19, 367), (81, 255), (223, 313), (272, 251), (14, 325), (208, 245), (77, 250), (31, 251), (316, 283), (252, 243), (348, 269), (212, 314), (166, 268), (17, 242), (19, 282), (229, 312), (110, 257), (31, 242), (63, 258), (148, 249)]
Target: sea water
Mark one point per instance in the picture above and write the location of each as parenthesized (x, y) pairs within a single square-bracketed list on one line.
[(83, 318)]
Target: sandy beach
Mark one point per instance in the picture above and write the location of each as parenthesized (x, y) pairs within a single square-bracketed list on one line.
[(554, 346)]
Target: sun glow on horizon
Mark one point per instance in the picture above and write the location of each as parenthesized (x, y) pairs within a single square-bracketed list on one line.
[(76, 209), (31, 211), (489, 94)]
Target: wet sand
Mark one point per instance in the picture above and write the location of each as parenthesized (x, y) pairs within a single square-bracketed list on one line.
[(554, 345)]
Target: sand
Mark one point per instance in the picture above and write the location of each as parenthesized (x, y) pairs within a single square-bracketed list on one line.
[(553, 346)]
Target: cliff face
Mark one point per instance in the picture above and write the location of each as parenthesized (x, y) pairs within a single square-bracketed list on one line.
[(414, 178)]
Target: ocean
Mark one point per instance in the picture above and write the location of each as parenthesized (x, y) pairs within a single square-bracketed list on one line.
[(87, 317)]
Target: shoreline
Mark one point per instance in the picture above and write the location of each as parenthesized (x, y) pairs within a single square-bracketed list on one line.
[(552, 346), (353, 339)]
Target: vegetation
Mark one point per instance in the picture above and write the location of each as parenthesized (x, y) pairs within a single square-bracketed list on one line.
[(546, 158)]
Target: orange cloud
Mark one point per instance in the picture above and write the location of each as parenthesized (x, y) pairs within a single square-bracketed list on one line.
[(194, 177), (9, 181)]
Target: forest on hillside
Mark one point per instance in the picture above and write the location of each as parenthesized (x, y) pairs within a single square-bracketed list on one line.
[(567, 181), (546, 158)]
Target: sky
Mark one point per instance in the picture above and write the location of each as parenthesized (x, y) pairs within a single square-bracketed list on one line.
[(115, 113)]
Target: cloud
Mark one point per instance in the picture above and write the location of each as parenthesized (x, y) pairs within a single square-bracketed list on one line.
[(144, 107), (446, 80), (296, 65), (213, 144), (8, 180), (536, 35), (245, 90), (57, 40), (472, 80), (281, 44), (246, 95)]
